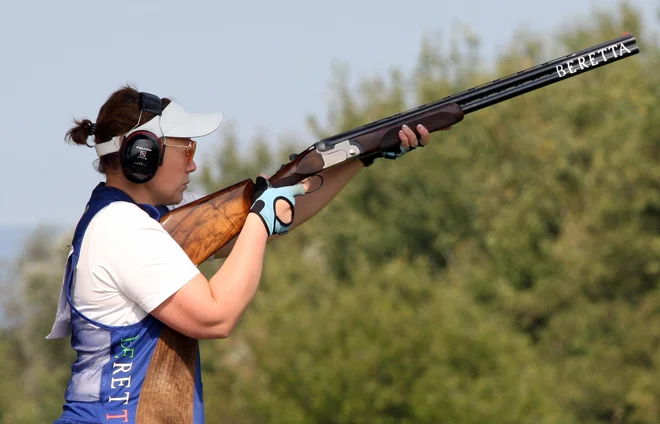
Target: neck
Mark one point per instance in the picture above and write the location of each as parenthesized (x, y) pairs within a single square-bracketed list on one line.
[(140, 193)]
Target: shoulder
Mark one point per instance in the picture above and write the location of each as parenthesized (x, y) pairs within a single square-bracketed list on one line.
[(121, 228), (122, 217)]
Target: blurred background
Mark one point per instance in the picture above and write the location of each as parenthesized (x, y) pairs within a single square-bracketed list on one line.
[(507, 274)]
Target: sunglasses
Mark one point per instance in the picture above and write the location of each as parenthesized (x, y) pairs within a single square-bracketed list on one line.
[(190, 149)]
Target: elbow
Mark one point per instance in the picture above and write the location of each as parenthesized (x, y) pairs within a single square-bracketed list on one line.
[(217, 332), (222, 329), (207, 320)]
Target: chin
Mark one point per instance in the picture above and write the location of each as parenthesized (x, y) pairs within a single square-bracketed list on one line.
[(173, 199), (176, 199)]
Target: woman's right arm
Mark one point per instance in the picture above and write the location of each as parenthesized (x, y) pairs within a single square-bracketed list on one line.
[(209, 309)]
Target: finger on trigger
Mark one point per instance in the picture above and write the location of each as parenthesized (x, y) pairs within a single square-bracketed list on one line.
[(301, 188), (307, 183)]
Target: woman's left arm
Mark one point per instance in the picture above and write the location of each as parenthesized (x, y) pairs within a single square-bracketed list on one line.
[(333, 181), (336, 178)]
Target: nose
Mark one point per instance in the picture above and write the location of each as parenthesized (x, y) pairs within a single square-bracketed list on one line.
[(192, 166)]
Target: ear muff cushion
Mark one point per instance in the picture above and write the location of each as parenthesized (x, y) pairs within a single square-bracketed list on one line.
[(140, 156)]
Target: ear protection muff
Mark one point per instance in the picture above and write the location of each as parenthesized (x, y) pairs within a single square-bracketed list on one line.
[(140, 156), (141, 153)]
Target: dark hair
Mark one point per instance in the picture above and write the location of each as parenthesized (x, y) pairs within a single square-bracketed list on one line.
[(118, 115)]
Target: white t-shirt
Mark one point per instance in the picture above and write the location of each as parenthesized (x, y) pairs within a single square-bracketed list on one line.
[(128, 265)]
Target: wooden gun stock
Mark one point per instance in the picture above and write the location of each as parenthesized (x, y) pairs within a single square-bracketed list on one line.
[(202, 227)]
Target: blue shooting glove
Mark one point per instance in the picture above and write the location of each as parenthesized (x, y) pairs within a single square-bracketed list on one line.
[(263, 204), (388, 154)]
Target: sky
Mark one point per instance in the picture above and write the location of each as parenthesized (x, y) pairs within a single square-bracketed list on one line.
[(265, 65)]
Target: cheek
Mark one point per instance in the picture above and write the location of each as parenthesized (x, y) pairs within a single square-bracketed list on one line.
[(173, 162), (169, 173)]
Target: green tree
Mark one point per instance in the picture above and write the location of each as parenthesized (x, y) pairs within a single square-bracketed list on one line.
[(38, 369)]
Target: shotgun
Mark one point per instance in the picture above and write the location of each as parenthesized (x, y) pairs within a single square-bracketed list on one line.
[(203, 226)]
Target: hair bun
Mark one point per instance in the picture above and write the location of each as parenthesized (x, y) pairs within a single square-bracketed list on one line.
[(82, 130)]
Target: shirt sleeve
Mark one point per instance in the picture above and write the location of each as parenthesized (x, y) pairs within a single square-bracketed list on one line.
[(148, 265)]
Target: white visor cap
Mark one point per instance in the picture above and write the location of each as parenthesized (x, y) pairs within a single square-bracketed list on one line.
[(175, 121)]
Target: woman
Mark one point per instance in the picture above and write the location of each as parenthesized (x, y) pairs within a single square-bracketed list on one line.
[(126, 278)]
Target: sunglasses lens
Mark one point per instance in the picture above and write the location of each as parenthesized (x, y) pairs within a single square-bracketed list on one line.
[(191, 152)]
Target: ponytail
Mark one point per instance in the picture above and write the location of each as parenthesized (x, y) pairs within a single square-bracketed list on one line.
[(81, 132)]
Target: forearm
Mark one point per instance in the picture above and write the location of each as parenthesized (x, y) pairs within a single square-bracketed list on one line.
[(234, 285), (334, 180)]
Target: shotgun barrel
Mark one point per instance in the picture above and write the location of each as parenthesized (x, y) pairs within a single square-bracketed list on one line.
[(510, 86), (381, 135)]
